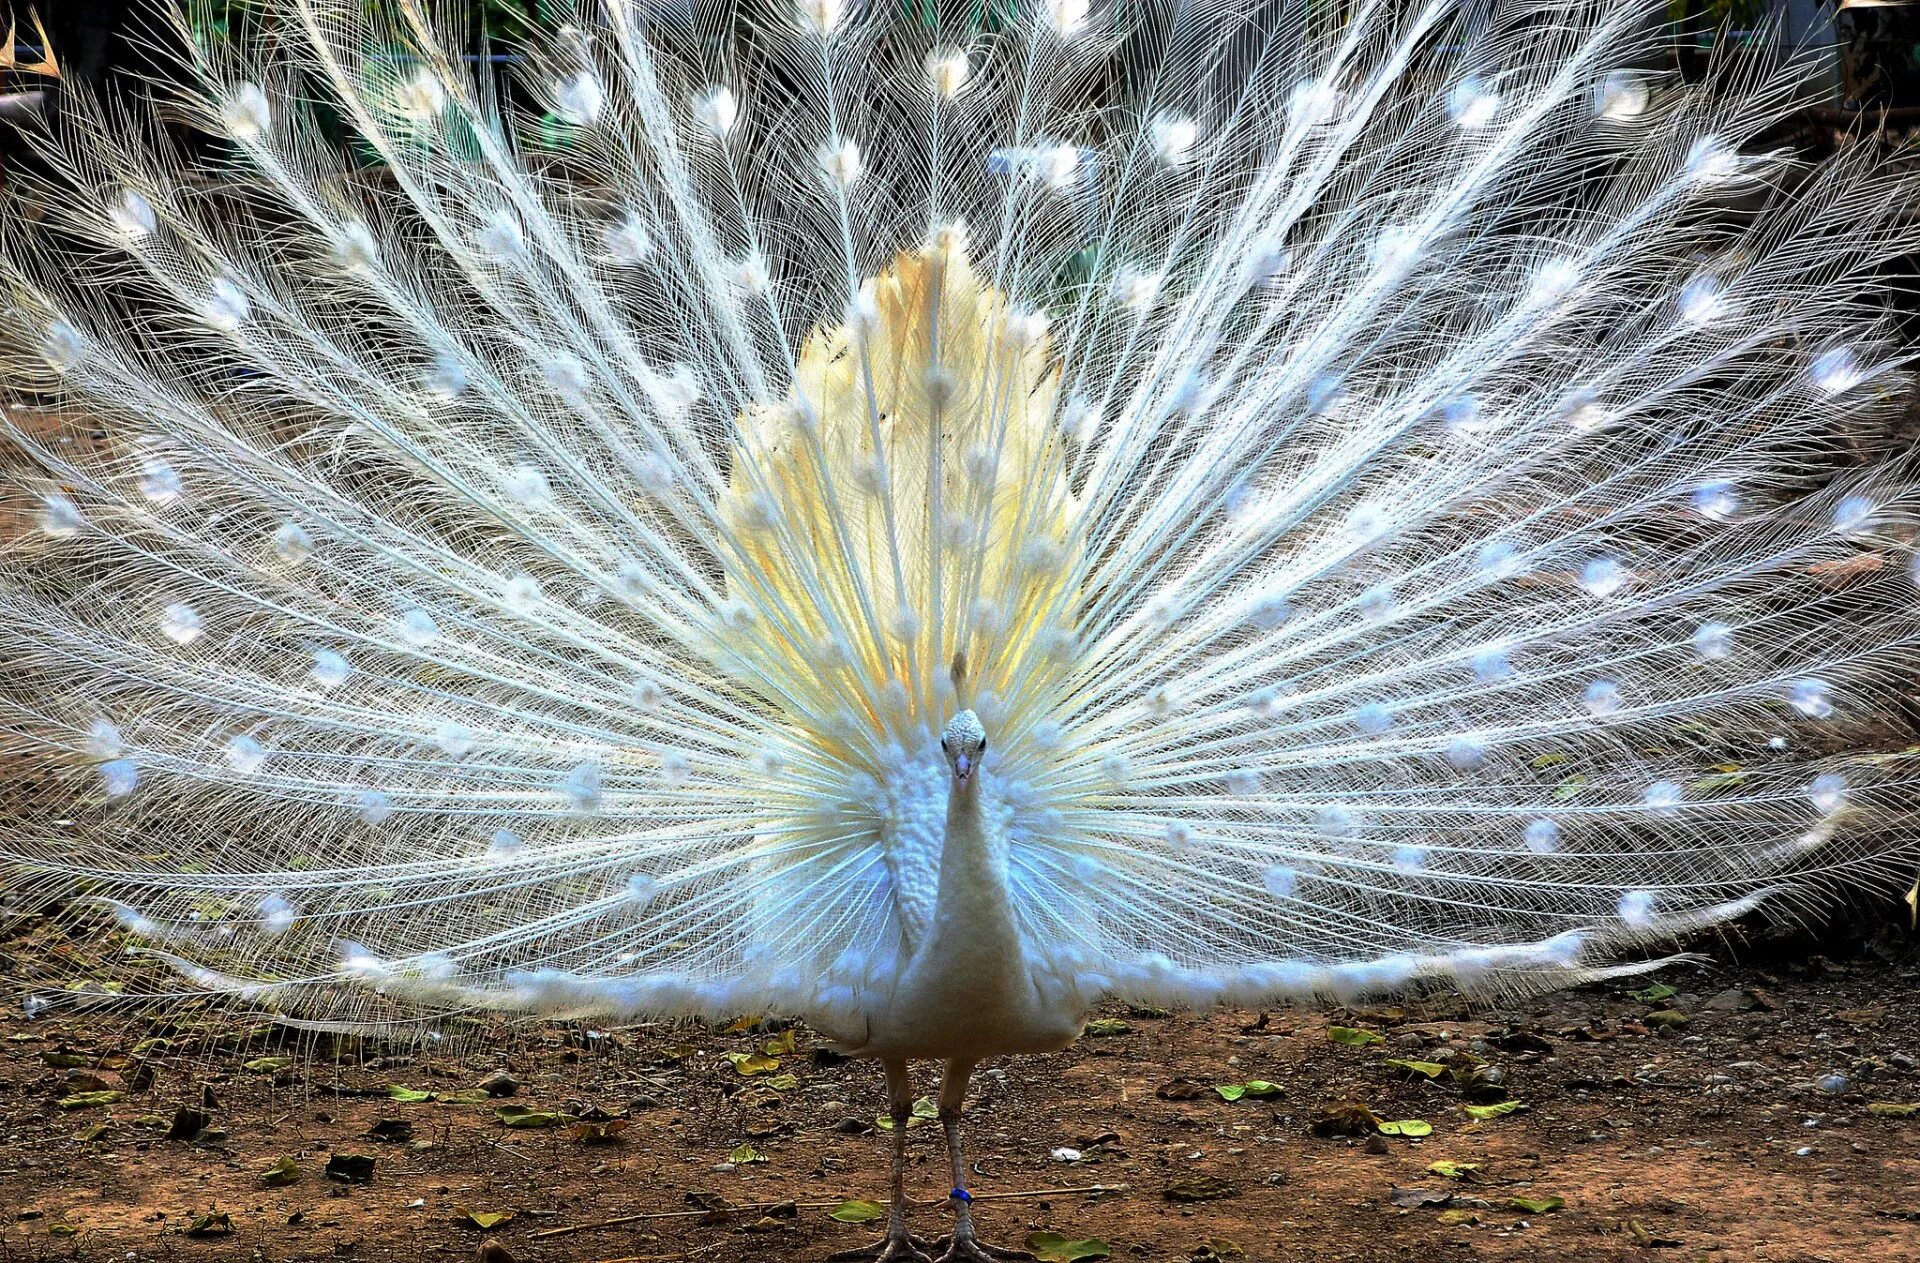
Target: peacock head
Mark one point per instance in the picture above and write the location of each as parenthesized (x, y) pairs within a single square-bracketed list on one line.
[(964, 742)]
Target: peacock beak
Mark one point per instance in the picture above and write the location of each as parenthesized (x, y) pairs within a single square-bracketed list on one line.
[(963, 765)]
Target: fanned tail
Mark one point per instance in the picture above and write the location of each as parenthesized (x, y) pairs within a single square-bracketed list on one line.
[(1402, 477)]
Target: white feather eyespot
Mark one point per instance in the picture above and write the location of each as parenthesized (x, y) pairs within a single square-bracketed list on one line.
[(1622, 96), (1472, 104), (629, 241), (580, 98), (839, 157), (717, 110), (420, 97), (1067, 17), (132, 214), (353, 247), (1174, 136), (948, 71), (65, 348), (823, 17), (246, 112)]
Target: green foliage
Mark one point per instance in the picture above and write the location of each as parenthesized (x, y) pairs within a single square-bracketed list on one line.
[(1736, 14)]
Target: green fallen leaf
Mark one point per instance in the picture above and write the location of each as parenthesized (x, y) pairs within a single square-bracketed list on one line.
[(1454, 1170), (1407, 1127), (856, 1212), (283, 1171), (484, 1220), (1717, 781), (1424, 1069), (1108, 1026), (267, 1065), (521, 1116), (1891, 1109), (1536, 1205), (1541, 762), (1492, 1111), (1657, 992), (780, 1045), (410, 1096), (1051, 1247), (924, 1111), (783, 1082), (63, 1059), (62, 1230), (1667, 1017), (752, 1063), (1251, 1088), (1454, 1218), (1569, 788), (214, 1223), (745, 1154), (89, 1100), (1354, 1037)]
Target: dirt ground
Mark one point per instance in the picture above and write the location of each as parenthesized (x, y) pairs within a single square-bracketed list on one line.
[(1747, 1115)]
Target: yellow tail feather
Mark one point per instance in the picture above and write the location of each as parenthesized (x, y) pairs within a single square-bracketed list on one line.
[(909, 502)]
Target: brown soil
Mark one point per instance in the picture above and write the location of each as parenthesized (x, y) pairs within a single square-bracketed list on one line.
[(1711, 1140)]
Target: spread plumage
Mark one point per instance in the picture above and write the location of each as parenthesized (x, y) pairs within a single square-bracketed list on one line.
[(1390, 475)]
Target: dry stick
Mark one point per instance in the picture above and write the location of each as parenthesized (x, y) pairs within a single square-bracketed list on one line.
[(664, 1258), (689, 1214)]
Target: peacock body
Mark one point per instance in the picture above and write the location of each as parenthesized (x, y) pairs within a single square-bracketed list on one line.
[(923, 520)]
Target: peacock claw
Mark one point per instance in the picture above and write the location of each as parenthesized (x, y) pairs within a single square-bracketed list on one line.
[(970, 1249), (905, 1248)]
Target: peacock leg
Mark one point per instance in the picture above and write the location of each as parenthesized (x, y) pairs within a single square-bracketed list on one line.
[(898, 1246), (963, 1246)]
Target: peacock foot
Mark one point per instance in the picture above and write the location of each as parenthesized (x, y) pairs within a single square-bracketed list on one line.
[(967, 1248), (892, 1248)]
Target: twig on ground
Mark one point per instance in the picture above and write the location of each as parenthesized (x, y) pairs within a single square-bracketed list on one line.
[(662, 1258)]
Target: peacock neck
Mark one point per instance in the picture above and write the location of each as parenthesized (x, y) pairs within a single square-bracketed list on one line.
[(973, 884)]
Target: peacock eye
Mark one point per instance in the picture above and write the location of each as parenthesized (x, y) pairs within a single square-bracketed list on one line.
[(945, 746), (983, 745)]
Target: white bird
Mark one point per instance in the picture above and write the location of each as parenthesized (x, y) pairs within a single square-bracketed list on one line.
[(923, 520)]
